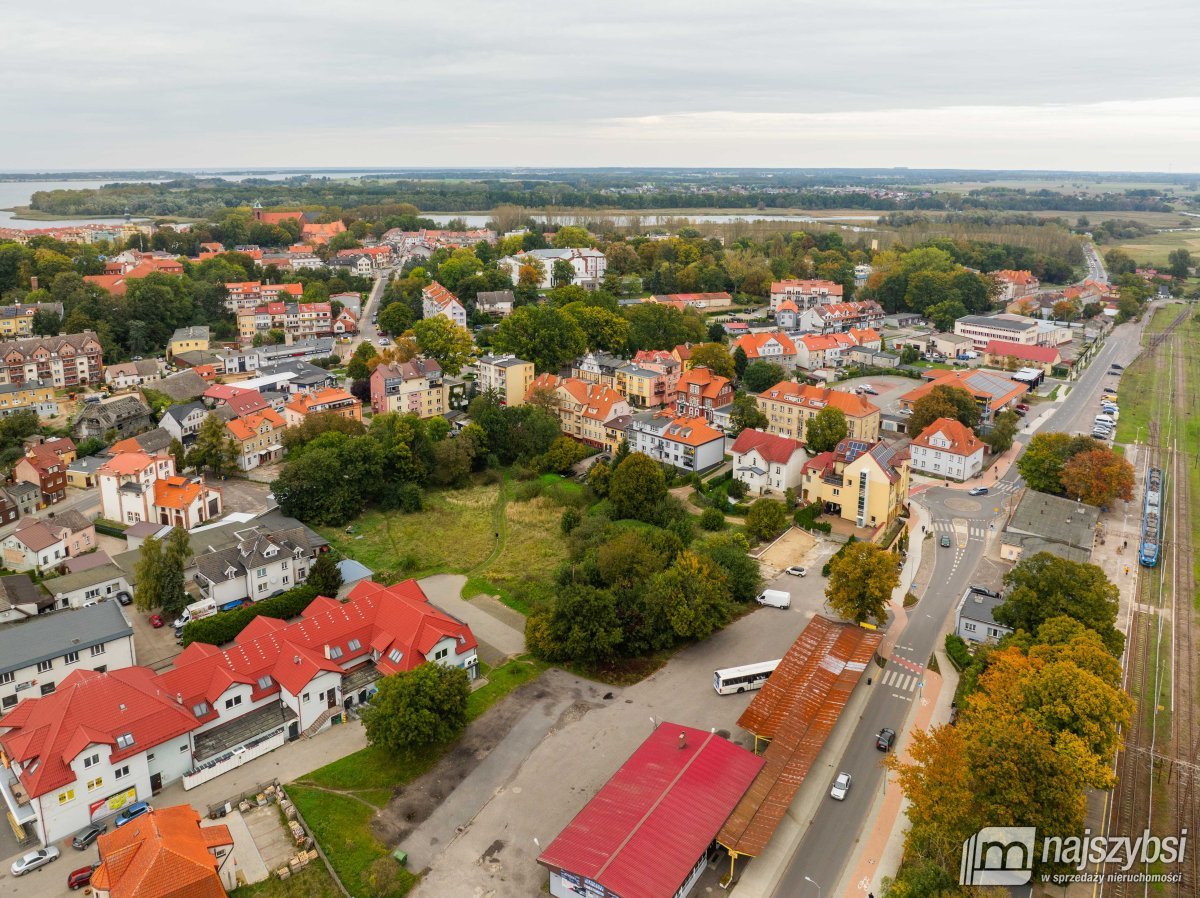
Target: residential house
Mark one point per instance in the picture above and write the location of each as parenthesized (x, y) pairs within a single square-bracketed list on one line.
[(1008, 328), (787, 316), (947, 448), (646, 387), (974, 619), (859, 481), (44, 469), (687, 443), (952, 346), (415, 386), (37, 396), (20, 599), (120, 417), (1015, 284), (841, 316), (805, 294), (65, 361), (63, 447), (183, 422), (32, 547), (126, 375), (9, 511), (437, 300), (136, 487), (587, 265), (1009, 355), (993, 393), (767, 463), (777, 348), (296, 320), (156, 440), (701, 302), (1044, 523), (241, 402), (598, 368), (17, 320), (335, 401), (81, 473), (188, 339), (509, 376), (345, 322), (26, 496), (357, 264), (379, 257), (167, 854), (252, 358), (701, 394), (258, 437), (789, 406), (182, 387), (257, 567), (583, 408), (93, 584), (495, 302), (77, 531)]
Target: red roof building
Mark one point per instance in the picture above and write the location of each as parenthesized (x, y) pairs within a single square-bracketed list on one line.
[(163, 854), (646, 832), (998, 352)]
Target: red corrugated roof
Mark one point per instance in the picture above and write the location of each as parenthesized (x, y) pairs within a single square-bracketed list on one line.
[(649, 824), (1044, 354)]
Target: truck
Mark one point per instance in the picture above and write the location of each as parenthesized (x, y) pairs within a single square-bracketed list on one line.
[(197, 611), (774, 598)]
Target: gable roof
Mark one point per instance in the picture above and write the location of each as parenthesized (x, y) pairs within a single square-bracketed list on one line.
[(752, 344), (710, 384), (961, 438), (246, 428), (162, 854), (771, 447), (817, 398), (994, 388)]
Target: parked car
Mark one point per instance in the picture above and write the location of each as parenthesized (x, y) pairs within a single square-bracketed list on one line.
[(1021, 407), (944, 542), (1117, 367), (27, 863), (796, 571), (77, 879), (124, 598), (841, 786), (132, 812), (869, 390), (88, 835), (156, 621), (885, 739), (977, 491)]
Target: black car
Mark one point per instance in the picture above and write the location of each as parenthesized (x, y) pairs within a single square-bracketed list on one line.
[(124, 598), (885, 739), (1117, 367), (88, 835)]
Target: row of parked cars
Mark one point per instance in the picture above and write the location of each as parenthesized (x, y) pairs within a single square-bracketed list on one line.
[(1110, 412), (82, 840)]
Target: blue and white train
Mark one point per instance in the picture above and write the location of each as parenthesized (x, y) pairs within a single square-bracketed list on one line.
[(1152, 519)]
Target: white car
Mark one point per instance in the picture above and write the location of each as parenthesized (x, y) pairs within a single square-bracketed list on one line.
[(841, 786), (796, 571), (868, 389), (34, 859)]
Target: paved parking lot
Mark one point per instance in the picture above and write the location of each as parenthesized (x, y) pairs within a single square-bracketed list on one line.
[(244, 495), (889, 388)]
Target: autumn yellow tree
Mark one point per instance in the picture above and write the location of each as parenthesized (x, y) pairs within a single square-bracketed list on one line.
[(1097, 477), (862, 578)]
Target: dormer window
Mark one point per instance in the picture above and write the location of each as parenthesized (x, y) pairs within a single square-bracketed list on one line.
[(395, 655), (335, 652), (201, 709), (125, 740), (265, 682)]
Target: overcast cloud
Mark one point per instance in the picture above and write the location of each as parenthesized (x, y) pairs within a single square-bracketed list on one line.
[(1075, 84)]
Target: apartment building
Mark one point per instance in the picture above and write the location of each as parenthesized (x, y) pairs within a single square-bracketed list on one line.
[(415, 386), (36, 396), (789, 406), (777, 348), (331, 401), (295, 319), (68, 360), (687, 443), (437, 300), (136, 486), (842, 316), (701, 394), (1007, 328), (805, 294), (258, 437), (43, 468), (860, 481), (584, 408), (587, 265), (195, 338), (251, 294), (1015, 284), (509, 376), (257, 567)]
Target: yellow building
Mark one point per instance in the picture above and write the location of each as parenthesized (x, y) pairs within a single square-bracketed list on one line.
[(188, 339), (508, 375), (865, 484), (17, 320), (788, 406), (37, 395)]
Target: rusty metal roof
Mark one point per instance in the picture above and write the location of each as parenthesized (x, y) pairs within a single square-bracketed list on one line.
[(807, 693)]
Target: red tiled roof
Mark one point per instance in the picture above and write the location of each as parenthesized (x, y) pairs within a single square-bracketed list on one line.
[(691, 432), (771, 447), (710, 384), (642, 833), (86, 708), (176, 491), (162, 854), (962, 439), (1046, 355), (980, 384), (246, 428), (752, 344), (245, 402), (127, 462), (819, 397)]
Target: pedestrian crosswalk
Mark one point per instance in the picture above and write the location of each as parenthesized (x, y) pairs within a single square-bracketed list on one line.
[(974, 529), (899, 679)]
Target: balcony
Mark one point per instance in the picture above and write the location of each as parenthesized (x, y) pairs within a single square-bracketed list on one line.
[(16, 798)]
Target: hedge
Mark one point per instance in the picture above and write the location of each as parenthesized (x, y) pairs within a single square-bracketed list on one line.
[(806, 518), (225, 626), (957, 651), (838, 554)]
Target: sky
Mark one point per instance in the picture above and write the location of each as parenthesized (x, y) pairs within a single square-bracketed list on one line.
[(1028, 84)]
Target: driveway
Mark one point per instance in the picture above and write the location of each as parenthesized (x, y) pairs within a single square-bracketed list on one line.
[(889, 389), (243, 495), (499, 629)]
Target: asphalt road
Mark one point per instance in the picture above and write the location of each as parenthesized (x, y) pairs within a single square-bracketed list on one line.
[(829, 845)]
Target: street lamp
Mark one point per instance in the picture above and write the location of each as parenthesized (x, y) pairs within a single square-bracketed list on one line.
[(814, 882)]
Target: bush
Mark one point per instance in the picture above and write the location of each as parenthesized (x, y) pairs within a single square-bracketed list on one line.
[(737, 489), (409, 498), (720, 478), (957, 651), (806, 516), (712, 519), (570, 520), (225, 626)]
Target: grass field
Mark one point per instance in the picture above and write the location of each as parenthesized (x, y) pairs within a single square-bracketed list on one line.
[(1139, 384), (1154, 250), (313, 881)]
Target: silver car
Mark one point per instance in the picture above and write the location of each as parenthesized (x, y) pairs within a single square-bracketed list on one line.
[(841, 786), (34, 859)]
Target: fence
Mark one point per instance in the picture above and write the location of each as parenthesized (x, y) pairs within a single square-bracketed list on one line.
[(231, 760)]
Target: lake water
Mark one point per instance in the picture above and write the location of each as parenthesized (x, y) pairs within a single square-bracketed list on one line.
[(19, 193)]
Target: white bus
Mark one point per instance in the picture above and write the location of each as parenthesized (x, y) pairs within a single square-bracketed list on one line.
[(748, 676)]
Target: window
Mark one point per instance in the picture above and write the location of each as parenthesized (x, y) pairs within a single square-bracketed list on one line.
[(285, 564), (354, 645), (261, 572), (305, 696), (121, 772), (183, 748), (98, 650), (70, 657), (440, 654), (395, 655), (47, 688), (65, 796), (201, 709), (125, 740), (9, 701), (264, 682), (233, 702), (335, 652), (101, 669), (968, 626), (93, 785), (44, 666), (7, 677), (262, 587)]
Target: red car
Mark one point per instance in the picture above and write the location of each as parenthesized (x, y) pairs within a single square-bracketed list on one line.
[(77, 879), (1022, 407), (156, 621)]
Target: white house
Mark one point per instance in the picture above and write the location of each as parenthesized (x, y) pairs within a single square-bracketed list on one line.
[(33, 546), (258, 567), (437, 300), (88, 586), (767, 463), (974, 620), (947, 448), (587, 264), (183, 421), (690, 444)]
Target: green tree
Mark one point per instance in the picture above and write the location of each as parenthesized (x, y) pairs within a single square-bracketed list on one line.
[(943, 401), (1004, 428), (444, 341), (1179, 263), (1046, 586), (544, 335), (862, 579), (766, 519), (418, 708), (46, 323), (740, 361), (712, 519), (945, 313), (745, 413), (584, 627), (655, 326), (637, 487), (179, 454), (826, 429), (562, 273), (176, 553), (1042, 462), (148, 577), (572, 237), (395, 319), (715, 357), (324, 575), (760, 376), (604, 330), (358, 369), (214, 449), (729, 551), (314, 488), (689, 600)]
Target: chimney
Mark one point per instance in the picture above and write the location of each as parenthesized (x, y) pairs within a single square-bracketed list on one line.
[(682, 740), (33, 283)]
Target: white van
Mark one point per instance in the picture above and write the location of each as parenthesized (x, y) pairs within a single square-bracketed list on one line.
[(775, 598), (1106, 419)]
